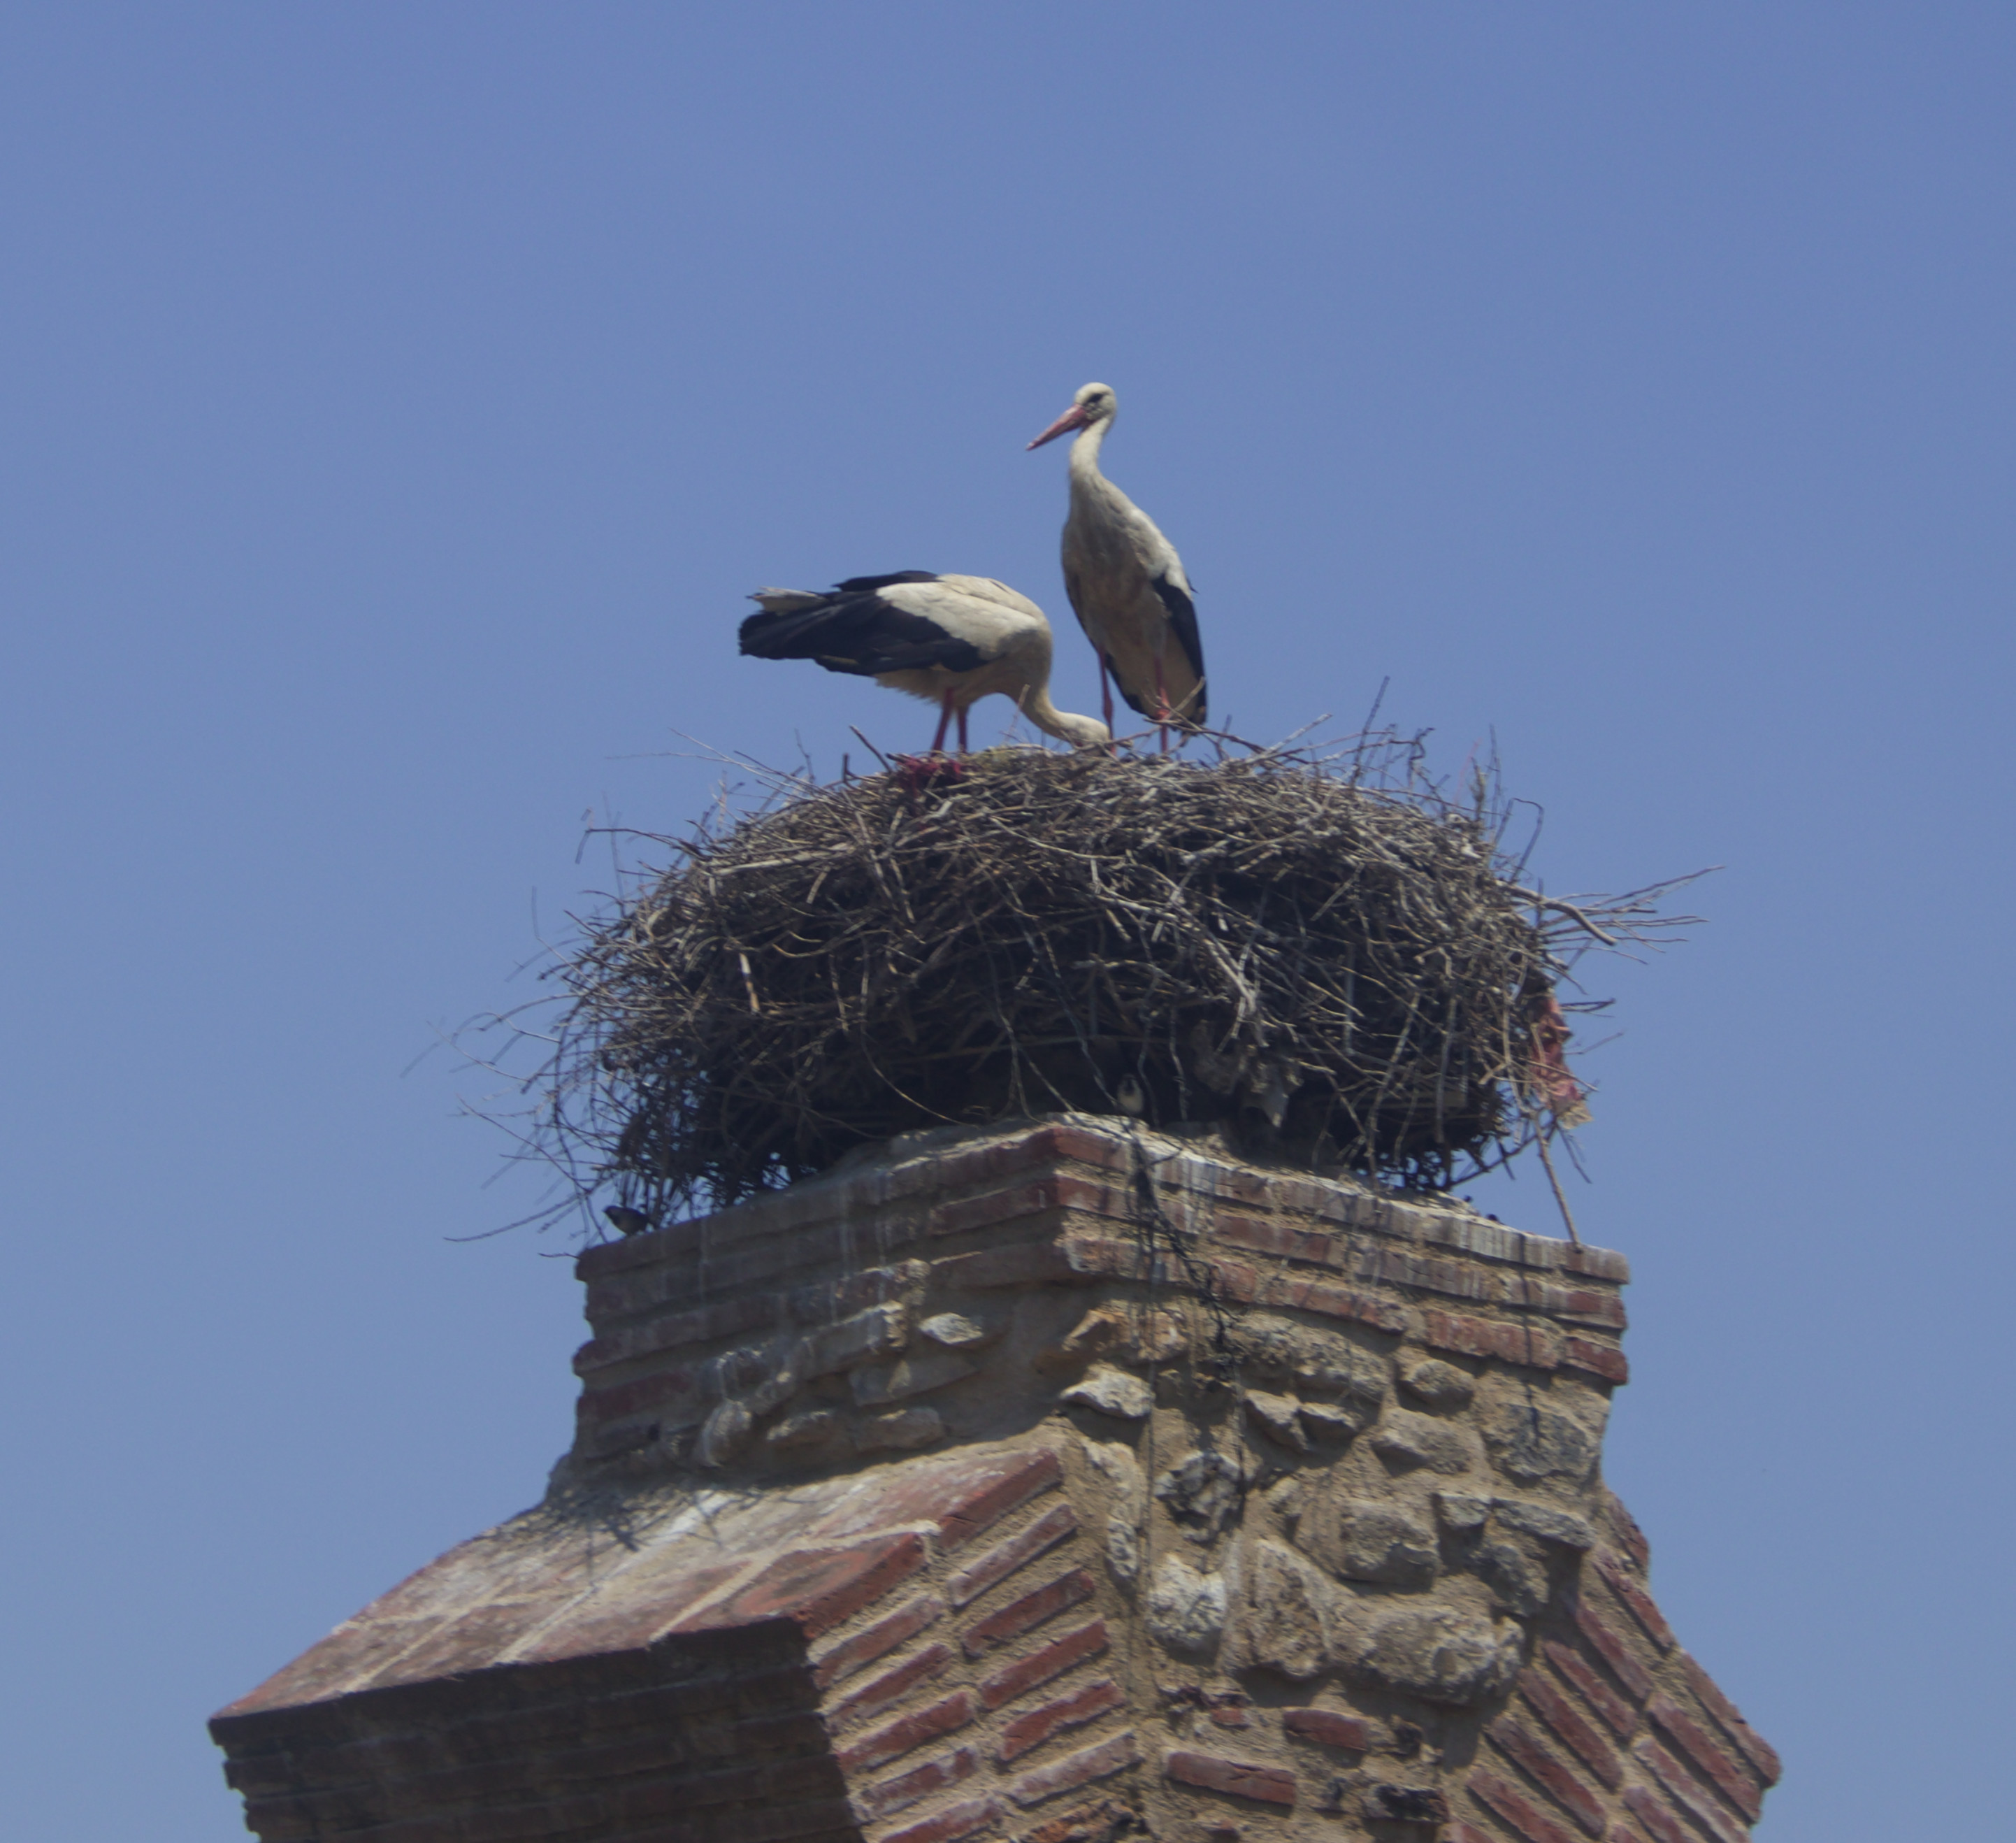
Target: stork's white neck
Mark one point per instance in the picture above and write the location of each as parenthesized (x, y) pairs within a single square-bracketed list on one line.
[(1080, 732), (1084, 450)]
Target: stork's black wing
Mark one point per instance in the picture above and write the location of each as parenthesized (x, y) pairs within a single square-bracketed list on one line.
[(855, 630), (1184, 624), (855, 585)]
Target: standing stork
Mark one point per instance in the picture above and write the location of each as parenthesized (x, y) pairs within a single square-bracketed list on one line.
[(1126, 582), (953, 639)]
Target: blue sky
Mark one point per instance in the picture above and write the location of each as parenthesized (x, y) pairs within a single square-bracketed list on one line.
[(399, 401)]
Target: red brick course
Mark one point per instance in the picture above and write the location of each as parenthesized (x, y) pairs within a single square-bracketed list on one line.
[(1241, 1779), (1598, 1359), (1688, 1792), (1515, 1807), (1565, 1719), (1018, 1263), (1619, 1716), (889, 1796), (1099, 1822), (1656, 1815), (1029, 1731), (1533, 1346), (1040, 1666), (927, 1666), (964, 1501), (1331, 1728), (840, 1661), (1610, 1647), (946, 1716), (1332, 1302), (1621, 1582), (1022, 1615), (1002, 1560), (1082, 1768), (1701, 1747), (818, 1588), (1522, 1745), (960, 1820), (1761, 1753)]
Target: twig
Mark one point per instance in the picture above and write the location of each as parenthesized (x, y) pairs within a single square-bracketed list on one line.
[(1561, 1197)]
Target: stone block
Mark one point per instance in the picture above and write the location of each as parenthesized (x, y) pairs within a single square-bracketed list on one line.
[(1279, 1417), (1285, 1618), (1370, 1539), (1440, 1385), (1184, 1609), (1442, 1652), (1113, 1392), (1530, 1442), (909, 1430), (1562, 1527), (1329, 1423), (1319, 1362), (1202, 1492), (811, 1432), (1461, 1510), (1405, 1803), (907, 1377), (1407, 1439), (957, 1330), (1517, 1580), (880, 1331)]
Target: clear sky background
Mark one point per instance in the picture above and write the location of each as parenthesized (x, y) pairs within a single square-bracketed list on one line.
[(398, 400)]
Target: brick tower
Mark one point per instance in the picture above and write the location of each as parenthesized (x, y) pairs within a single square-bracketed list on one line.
[(1043, 1484)]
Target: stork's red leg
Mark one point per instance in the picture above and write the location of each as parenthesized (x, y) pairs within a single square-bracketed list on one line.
[(963, 744), (945, 722), (1106, 693), (1161, 705)]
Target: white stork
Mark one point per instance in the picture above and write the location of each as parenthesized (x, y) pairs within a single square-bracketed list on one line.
[(1126, 582), (953, 639)]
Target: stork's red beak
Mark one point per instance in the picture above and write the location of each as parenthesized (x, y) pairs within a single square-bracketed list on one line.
[(1073, 418)]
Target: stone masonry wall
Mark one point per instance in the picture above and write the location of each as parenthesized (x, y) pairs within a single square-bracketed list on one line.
[(1045, 1485)]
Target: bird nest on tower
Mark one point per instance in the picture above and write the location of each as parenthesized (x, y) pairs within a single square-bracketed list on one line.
[(1323, 957)]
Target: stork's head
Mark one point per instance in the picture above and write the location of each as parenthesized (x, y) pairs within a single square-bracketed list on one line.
[(1080, 732), (1094, 403)]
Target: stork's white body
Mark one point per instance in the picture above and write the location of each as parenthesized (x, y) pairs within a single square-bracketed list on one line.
[(1126, 583), (952, 639), (1011, 634)]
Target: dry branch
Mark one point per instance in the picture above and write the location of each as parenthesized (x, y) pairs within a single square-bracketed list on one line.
[(1322, 954)]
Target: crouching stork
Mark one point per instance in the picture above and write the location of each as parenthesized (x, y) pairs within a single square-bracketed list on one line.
[(953, 639)]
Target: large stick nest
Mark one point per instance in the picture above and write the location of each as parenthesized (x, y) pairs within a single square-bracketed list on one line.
[(1325, 957)]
